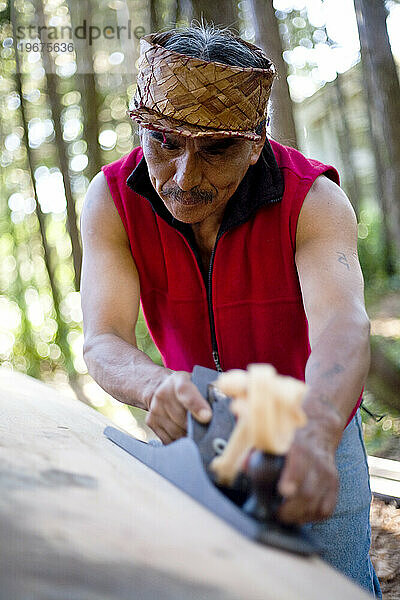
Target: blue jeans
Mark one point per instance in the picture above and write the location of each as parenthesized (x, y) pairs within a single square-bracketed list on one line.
[(345, 538)]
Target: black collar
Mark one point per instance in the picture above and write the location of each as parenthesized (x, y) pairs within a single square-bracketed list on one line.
[(262, 184)]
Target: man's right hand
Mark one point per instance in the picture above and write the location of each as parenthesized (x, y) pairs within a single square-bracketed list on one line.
[(169, 405)]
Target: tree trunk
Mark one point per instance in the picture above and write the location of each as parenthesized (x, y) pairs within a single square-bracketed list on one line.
[(383, 95), (345, 139), (267, 36), (72, 224), (163, 14), (87, 86), (154, 16), (384, 378), (17, 288), (184, 12), (388, 244), (61, 338), (222, 13), (62, 330)]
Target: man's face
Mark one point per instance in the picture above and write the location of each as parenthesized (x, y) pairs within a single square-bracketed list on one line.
[(195, 177)]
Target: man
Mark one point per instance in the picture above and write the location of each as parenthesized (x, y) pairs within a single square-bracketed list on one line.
[(241, 251)]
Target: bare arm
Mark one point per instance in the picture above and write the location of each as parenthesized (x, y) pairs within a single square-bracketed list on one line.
[(110, 302), (110, 292), (332, 288), (333, 293)]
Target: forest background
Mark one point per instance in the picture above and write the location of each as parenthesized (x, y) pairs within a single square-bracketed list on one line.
[(64, 94)]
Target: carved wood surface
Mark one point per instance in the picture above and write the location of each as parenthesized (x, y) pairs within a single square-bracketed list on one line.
[(80, 519)]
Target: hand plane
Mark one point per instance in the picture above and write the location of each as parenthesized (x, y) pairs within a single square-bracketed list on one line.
[(250, 503)]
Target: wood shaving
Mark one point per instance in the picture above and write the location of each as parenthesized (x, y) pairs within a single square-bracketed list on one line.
[(385, 547), (268, 411)]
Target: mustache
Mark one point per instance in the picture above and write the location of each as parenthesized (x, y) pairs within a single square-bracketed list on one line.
[(195, 195)]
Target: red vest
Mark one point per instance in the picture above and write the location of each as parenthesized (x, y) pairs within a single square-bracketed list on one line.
[(249, 308)]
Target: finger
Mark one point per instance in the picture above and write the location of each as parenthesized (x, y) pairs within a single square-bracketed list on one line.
[(167, 430), (293, 474), (174, 431), (295, 511), (321, 488), (160, 417), (327, 508), (164, 409), (178, 415), (329, 502), (290, 512), (156, 420), (307, 506), (163, 435), (190, 397), (178, 430), (297, 486), (311, 494)]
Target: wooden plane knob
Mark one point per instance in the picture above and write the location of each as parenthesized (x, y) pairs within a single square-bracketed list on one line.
[(263, 471)]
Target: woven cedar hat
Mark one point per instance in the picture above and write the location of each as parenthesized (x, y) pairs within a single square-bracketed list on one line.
[(193, 97)]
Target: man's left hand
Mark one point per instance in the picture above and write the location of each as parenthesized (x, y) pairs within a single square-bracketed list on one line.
[(309, 482)]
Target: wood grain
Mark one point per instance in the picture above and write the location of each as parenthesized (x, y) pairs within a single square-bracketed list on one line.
[(80, 519), (385, 477)]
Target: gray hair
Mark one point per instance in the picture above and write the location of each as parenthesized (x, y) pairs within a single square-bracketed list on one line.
[(210, 43)]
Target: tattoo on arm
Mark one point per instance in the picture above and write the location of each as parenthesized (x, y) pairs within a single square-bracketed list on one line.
[(335, 370), (343, 260)]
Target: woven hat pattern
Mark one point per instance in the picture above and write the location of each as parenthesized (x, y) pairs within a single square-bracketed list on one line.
[(199, 96)]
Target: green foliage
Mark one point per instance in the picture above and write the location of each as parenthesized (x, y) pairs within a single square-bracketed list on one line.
[(382, 438), (40, 314), (144, 341), (370, 245)]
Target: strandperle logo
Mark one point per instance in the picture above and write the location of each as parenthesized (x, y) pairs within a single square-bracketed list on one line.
[(80, 32)]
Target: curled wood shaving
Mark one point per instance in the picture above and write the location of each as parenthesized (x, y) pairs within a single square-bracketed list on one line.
[(268, 411)]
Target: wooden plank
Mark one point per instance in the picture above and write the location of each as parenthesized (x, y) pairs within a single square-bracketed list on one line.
[(387, 488), (383, 467), (384, 477), (84, 520)]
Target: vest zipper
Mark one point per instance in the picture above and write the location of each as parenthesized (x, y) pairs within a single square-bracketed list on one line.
[(215, 352), (214, 345)]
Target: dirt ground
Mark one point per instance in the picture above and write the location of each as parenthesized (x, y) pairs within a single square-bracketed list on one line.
[(385, 547)]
